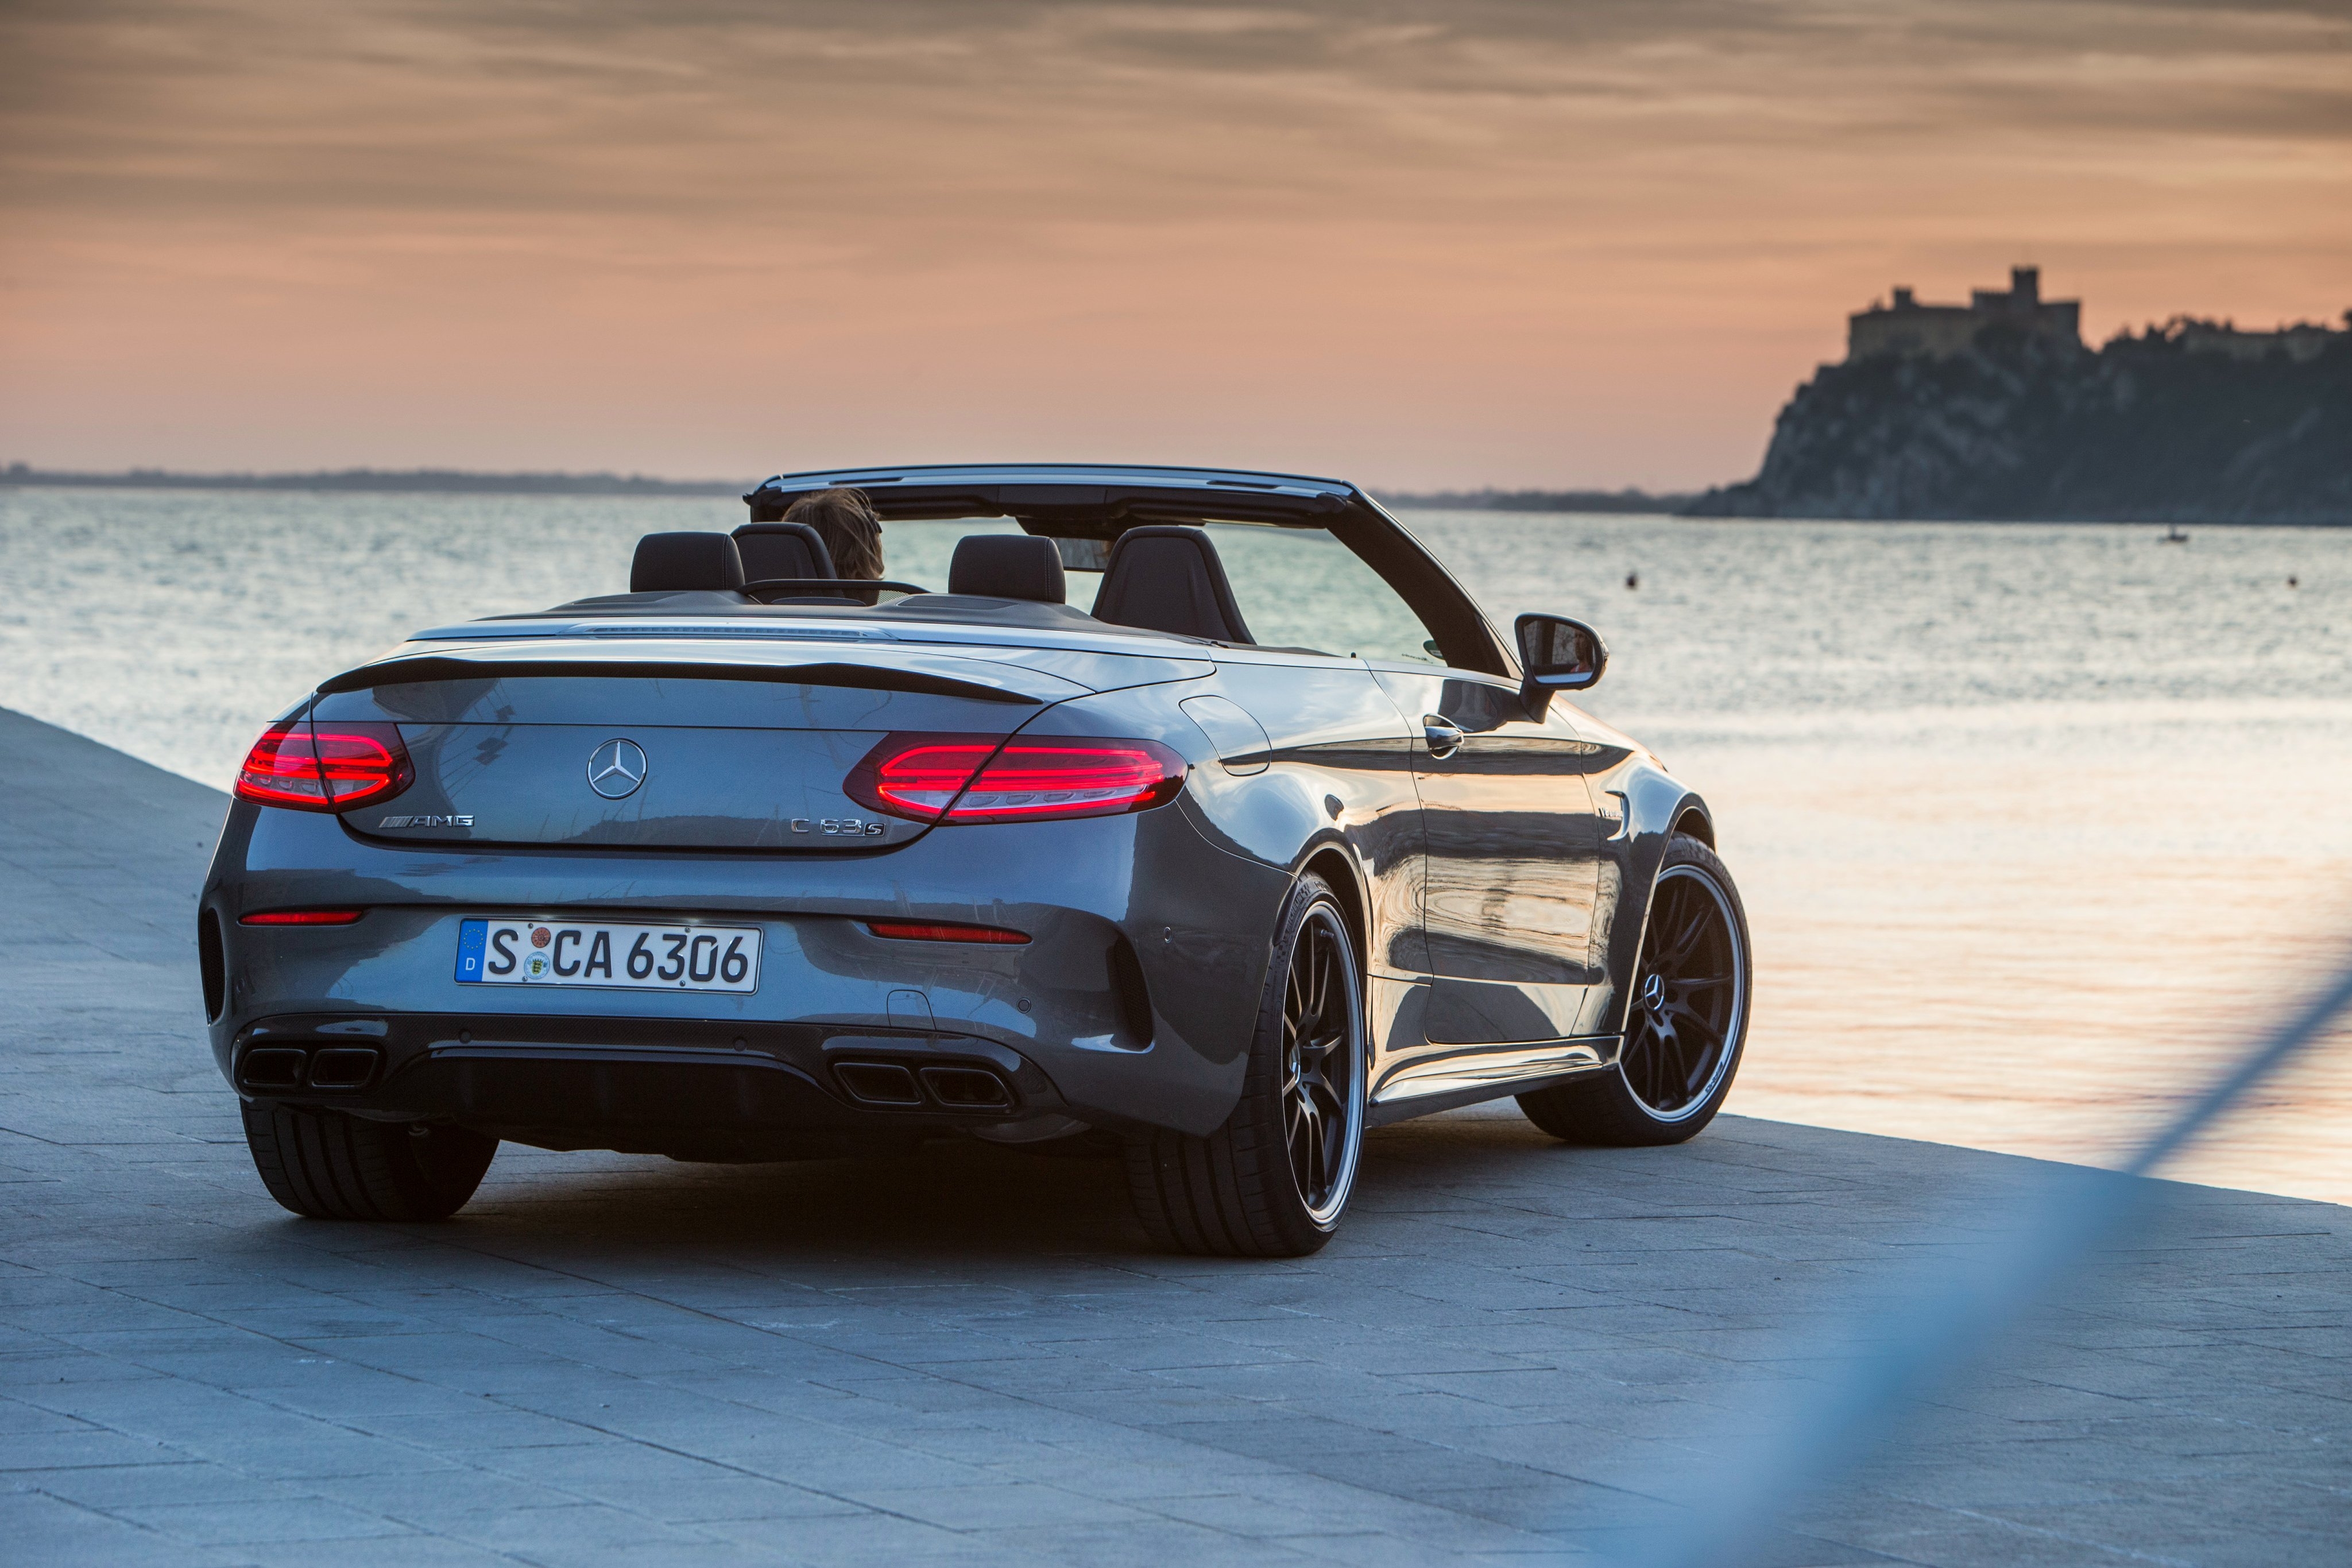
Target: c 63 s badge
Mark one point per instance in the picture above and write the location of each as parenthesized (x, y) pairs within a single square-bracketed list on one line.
[(838, 827), (464, 821)]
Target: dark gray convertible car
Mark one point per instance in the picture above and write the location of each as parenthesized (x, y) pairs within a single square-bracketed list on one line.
[(1277, 842)]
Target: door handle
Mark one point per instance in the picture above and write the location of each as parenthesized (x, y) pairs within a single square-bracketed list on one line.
[(1444, 736)]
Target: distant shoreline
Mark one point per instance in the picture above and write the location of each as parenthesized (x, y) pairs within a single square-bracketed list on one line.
[(380, 481), (1629, 503), (460, 482)]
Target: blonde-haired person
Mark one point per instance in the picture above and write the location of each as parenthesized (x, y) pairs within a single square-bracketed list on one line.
[(845, 520)]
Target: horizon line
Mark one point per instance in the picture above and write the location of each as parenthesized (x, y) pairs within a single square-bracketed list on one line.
[(607, 482)]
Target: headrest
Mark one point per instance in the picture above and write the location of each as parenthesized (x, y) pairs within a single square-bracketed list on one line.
[(1008, 566), (782, 549), (671, 563), (1168, 578)]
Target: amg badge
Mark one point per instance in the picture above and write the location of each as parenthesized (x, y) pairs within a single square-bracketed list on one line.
[(465, 821)]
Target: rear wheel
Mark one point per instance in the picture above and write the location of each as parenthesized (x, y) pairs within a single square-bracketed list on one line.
[(1687, 1023), (329, 1164), (1274, 1179)]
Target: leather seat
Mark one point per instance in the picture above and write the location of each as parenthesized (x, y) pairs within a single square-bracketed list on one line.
[(1009, 566), (771, 550), (682, 562), (1168, 578)]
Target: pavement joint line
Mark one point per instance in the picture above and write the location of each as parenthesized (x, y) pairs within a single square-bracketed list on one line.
[(2072, 1540), (380, 1437)]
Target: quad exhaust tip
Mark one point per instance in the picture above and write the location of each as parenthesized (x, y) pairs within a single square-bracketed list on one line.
[(968, 1088), (282, 1067), (898, 1087), (878, 1083)]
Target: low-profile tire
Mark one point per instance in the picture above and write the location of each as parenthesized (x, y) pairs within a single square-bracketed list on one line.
[(1273, 1181), (1685, 1024), (329, 1164)]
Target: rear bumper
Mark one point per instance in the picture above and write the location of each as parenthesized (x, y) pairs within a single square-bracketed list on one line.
[(689, 1088), (1131, 1004)]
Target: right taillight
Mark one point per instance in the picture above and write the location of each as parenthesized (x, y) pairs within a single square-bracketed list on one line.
[(326, 766), (978, 778)]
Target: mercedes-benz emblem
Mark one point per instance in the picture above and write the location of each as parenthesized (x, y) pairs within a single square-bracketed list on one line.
[(616, 769)]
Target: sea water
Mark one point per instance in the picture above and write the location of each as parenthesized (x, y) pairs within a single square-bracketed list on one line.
[(2035, 824)]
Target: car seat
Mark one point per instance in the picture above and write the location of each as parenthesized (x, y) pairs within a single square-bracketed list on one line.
[(771, 550), (1009, 566), (682, 562), (1168, 578)]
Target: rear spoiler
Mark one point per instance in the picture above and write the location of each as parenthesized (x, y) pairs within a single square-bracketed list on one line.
[(868, 677)]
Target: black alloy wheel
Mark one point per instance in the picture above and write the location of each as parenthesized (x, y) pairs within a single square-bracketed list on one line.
[(1688, 999), (1685, 1022), (1273, 1181), (1322, 1108)]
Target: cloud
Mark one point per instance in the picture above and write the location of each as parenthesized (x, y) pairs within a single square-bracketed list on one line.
[(1137, 111), (1506, 197)]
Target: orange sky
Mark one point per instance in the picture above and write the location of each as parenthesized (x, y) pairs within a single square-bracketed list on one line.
[(1517, 241)]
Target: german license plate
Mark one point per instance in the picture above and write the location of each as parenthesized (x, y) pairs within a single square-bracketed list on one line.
[(594, 953)]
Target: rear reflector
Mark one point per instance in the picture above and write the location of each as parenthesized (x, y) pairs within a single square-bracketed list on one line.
[(933, 931), (978, 778), (330, 766), (302, 917)]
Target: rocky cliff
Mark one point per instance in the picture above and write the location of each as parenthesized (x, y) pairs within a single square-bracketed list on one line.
[(2013, 428)]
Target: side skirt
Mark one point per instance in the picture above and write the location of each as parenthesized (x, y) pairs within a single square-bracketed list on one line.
[(1467, 1077)]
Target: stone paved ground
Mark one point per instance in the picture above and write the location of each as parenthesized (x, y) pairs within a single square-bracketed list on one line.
[(1514, 1352)]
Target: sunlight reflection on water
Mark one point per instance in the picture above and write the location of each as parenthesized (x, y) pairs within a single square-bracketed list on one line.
[(2032, 820)]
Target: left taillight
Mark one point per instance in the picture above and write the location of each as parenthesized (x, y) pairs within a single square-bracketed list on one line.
[(976, 778), (327, 766)]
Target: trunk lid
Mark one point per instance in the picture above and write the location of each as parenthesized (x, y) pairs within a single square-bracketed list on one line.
[(690, 748)]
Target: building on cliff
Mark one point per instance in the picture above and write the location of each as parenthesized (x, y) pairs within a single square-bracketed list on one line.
[(1940, 332), (2302, 342), (1996, 411)]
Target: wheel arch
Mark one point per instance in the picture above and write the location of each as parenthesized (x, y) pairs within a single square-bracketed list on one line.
[(1328, 859), (1691, 818), (1659, 808)]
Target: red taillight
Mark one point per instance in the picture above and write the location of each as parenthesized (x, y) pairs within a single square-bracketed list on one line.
[(936, 931), (282, 769), (302, 917), (978, 778), (330, 766), (919, 776)]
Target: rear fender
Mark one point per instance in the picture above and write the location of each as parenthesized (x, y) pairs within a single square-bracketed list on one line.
[(1202, 907), (1339, 797)]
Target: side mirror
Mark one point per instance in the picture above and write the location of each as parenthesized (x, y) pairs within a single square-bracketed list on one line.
[(1557, 655)]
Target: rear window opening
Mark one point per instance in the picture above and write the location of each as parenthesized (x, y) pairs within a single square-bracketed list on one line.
[(1293, 586)]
